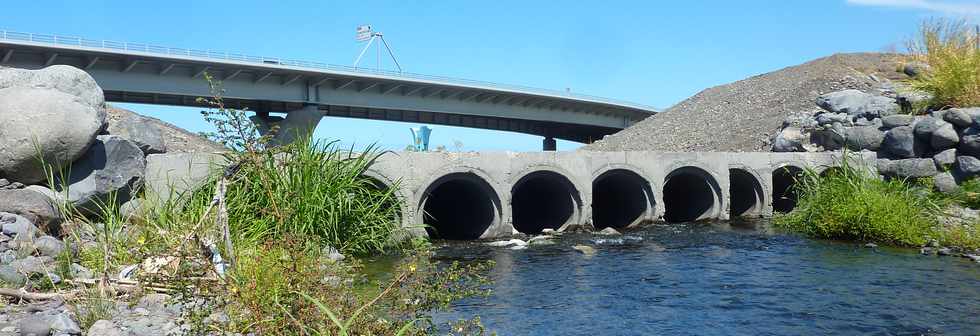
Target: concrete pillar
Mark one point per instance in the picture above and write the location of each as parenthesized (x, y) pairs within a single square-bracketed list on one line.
[(550, 144), (297, 123)]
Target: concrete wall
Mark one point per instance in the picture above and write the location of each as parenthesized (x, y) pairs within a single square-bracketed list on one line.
[(491, 194)]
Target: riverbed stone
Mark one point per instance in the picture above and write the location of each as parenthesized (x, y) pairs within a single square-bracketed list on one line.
[(944, 137), (10, 276), (14, 225), (970, 141), (113, 167), (945, 159), (142, 131), (945, 183), (900, 142), (925, 127), (49, 246), (609, 232), (968, 165), (34, 325), (830, 118), (789, 139), (897, 120), (857, 103), (37, 208), (63, 324), (915, 167), (105, 328), (864, 137), (958, 117), (829, 137)]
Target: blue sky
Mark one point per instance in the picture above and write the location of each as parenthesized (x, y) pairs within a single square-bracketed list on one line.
[(651, 52)]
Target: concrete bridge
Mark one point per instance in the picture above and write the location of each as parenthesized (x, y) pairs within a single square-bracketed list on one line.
[(485, 195), (307, 91)]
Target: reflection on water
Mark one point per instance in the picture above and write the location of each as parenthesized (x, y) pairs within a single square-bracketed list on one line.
[(719, 279)]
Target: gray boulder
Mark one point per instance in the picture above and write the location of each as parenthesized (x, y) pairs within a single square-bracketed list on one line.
[(49, 246), (900, 142), (32, 264), (945, 159), (64, 78), (857, 103), (37, 208), (863, 137), (14, 225), (790, 139), (58, 125), (830, 137), (925, 127), (970, 141), (958, 117), (63, 324), (944, 137), (10, 276), (105, 328), (34, 325), (968, 165), (914, 69), (113, 166), (907, 168), (945, 183), (142, 131), (830, 118), (897, 120)]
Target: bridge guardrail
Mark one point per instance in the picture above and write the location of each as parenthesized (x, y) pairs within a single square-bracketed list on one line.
[(218, 55)]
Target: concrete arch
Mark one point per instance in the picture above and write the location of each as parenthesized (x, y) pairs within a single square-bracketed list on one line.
[(784, 194), (544, 197), (830, 170), (691, 193), (621, 197), (460, 204), (747, 197)]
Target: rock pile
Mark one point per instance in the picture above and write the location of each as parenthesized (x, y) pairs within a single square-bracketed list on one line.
[(944, 144)]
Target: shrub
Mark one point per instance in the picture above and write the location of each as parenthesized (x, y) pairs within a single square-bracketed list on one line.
[(854, 204), (950, 48)]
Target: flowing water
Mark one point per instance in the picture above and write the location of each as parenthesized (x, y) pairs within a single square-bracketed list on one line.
[(719, 279)]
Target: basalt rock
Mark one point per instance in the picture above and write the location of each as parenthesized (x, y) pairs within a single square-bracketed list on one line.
[(113, 167)]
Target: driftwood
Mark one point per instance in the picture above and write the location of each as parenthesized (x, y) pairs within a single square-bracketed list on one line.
[(28, 296)]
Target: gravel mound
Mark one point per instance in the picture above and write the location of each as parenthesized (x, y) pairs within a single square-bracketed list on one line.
[(177, 139), (742, 116)]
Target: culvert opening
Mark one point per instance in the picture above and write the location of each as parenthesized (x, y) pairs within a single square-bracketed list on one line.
[(543, 200), (746, 192), (690, 194), (459, 206), (784, 195), (620, 198)]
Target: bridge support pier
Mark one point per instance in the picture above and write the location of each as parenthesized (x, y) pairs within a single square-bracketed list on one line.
[(550, 144), (296, 124)]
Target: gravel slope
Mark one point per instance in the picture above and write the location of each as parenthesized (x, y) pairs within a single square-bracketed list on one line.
[(177, 139), (742, 116)]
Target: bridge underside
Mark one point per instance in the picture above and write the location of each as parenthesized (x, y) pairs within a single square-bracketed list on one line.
[(262, 86)]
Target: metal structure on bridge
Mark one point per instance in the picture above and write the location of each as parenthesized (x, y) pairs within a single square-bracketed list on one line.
[(141, 73)]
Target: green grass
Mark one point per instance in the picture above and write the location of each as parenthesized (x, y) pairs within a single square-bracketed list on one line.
[(856, 205), (312, 189), (950, 50)]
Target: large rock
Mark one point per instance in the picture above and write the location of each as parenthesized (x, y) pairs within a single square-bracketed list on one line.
[(945, 183), (142, 131), (790, 139), (958, 117), (907, 168), (900, 142), (864, 137), (64, 78), (59, 125), (830, 137), (925, 127), (34, 206), (968, 165), (105, 328), (970, 141), (897, 120), (113, 166), (945, 159), (857, 103), (945, 137), (14, 225)]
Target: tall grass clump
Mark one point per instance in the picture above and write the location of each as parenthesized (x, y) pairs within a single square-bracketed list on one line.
[(854, 204), (950, 49), (310, 188)]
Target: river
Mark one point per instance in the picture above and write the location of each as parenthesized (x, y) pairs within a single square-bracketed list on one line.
[(719, 279)]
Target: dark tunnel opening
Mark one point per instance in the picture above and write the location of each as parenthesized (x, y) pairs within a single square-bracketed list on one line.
[(690, 194), (543, 200), (746, 193), (784, 195), (619, 198), (459, 206)]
